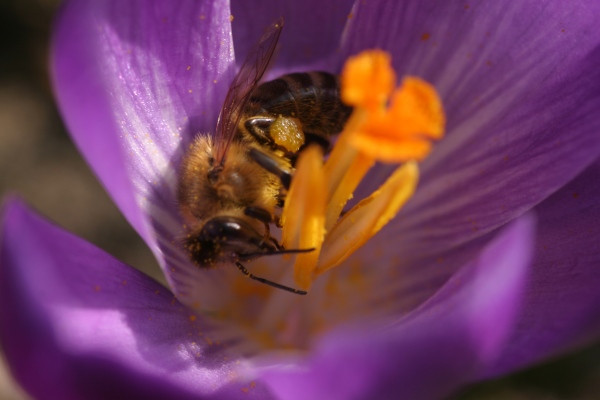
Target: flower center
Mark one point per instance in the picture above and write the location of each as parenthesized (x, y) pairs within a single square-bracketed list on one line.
[(389, 125)]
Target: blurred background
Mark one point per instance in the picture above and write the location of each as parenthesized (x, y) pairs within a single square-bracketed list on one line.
[(39, 163)]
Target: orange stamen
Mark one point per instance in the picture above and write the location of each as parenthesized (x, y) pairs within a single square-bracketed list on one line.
[(370, 69), (398, 133)]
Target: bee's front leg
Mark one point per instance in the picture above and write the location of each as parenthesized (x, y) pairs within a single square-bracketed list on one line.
[(272, 165), (259, 213), (265, 217), (259, 128)]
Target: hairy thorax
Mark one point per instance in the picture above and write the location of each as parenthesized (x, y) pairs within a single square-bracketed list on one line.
[(242, 183)]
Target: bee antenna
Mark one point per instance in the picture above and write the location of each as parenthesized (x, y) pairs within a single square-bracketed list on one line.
[(268, 282)]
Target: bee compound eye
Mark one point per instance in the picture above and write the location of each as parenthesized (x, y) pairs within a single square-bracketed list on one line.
[(227, 229), (228, 238)]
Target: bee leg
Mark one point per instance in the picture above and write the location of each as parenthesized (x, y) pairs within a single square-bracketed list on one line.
[(268, 282), (262, 215), (271, 165), (276, 243), (259, 128), (278, 247), (259, 213)]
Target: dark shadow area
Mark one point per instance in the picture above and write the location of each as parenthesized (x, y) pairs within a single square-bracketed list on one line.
[(37, 158), (575, 376)]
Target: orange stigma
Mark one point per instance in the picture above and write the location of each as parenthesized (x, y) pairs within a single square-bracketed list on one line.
[(389, 125)]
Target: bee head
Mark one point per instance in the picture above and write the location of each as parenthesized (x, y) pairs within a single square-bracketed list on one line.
[(225, 239)]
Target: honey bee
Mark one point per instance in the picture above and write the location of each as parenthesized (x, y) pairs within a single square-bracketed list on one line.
[(232, 182)]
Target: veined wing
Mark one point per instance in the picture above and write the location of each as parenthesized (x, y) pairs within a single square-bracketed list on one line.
[(241, 88)]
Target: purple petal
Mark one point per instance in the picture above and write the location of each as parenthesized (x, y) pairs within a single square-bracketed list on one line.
[(441, 345), (77, 324), (135, 81), (521, 87), (311, 36), (562, 306)]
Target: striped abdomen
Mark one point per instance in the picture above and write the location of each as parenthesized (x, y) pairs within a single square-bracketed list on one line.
[(312, 97)]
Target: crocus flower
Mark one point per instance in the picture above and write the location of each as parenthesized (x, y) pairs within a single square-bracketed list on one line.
[(463, 285)]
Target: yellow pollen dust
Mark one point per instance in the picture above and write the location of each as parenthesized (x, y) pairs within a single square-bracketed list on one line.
[(389, 125)]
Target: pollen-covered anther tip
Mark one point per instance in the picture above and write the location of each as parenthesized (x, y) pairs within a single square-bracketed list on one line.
[(368, 80), (403, 131)]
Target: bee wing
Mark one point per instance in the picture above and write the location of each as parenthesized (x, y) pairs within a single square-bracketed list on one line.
[(241, 88)]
